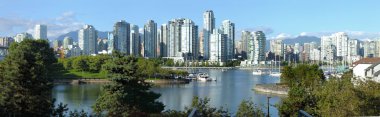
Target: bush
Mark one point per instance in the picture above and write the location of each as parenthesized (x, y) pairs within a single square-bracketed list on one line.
[(81, 63)]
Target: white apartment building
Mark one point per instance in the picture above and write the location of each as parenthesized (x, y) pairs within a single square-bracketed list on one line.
[(40, 31)]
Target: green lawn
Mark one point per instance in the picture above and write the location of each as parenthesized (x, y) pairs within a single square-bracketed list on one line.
[(60, 73)]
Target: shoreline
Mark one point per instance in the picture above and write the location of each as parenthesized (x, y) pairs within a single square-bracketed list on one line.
[(167, 81), (103, 81), (80, 81), (272, 88)]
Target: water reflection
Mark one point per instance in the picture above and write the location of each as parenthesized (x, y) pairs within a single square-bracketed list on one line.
[(229, 90), (231, 87), (77, 96)]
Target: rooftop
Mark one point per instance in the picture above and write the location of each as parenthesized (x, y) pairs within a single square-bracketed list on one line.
[(367, 61)]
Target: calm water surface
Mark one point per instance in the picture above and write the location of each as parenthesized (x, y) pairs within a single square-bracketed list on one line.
[(231, 87)]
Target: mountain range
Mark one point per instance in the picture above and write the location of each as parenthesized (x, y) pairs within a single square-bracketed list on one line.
[(299, 39)]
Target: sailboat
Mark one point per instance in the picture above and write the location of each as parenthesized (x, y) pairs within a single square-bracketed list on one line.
[(277, 74), (258, 72)]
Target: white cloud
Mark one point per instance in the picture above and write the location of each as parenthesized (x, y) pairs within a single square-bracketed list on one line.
[(363, 35), (266, 30), (352, 34), (57, 26), (303, 34), (283, 36)]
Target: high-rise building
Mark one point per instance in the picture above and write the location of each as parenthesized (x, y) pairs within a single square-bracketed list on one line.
[(164, 40), (238, 46), (377, 52), (21, 36), (259, 40), (306, 52), (209, 21), (228, 28), (121, 39), (181, 39), (354, 47), (158, 47), (6, 41), (40, 31), (340, 41), (369, 47), (57, 44), (66, 42), (315, 55), (134, 41), (141, 44), (208, 27), (341, 45), (327, 44), (201, 44), (217, 46), (246, 37), (277, 47), (87, 37), (111, 42), (150, 39), (296, 48), (174, 42), (189, 39)]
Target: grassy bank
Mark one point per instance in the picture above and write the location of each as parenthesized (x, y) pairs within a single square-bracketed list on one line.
[(61, 73)]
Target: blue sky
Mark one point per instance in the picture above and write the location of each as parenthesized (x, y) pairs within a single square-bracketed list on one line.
[(278, 18)]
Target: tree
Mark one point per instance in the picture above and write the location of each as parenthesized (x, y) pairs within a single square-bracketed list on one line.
[(147, 68), (302, 81), (205, 110), (67, 63), (80, 63), (203, 64), (337, 97), (248, 109), (369, 95), (95, 62), (25, 88), (169, 62), (60, 110), (76, 113), (127, 94)]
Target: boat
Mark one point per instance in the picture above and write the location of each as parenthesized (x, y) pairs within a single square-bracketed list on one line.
[(203, 77), (191, 76), (258, 72), (277, 74)]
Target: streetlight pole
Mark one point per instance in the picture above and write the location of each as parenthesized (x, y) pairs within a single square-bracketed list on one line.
[(268, 105)]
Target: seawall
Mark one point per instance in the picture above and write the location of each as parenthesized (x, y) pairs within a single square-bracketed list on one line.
[(272, 88)]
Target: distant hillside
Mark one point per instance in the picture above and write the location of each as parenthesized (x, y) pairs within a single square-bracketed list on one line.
[(74, 35), (302, 39), (299, 39)]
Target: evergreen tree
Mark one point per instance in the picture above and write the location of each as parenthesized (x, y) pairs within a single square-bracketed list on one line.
[(248, 109), (302, 80), (127, 94), (205, 110), (25, 89)]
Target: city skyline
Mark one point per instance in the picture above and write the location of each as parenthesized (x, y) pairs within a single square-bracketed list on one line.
[(275, 18)]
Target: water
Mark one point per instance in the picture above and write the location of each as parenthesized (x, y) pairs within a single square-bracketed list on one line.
[(231, 87)]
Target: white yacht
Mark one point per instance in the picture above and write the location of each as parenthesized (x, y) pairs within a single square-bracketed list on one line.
[(203, 77), (277, 74), (258, 72)]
